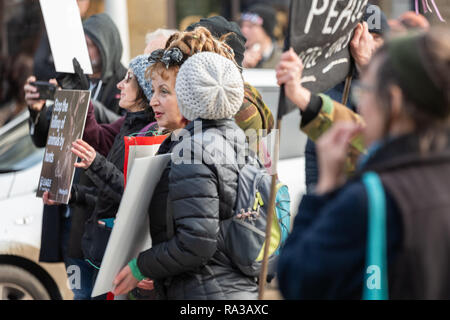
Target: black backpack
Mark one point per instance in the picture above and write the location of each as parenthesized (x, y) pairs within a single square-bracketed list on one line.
[(244, 233)]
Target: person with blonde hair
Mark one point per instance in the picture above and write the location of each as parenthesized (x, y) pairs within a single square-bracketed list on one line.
[(187, 260)]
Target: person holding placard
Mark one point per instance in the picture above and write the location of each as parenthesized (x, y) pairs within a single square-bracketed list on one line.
[(368, 36), (254, 117), (192, 190), (105, 53), (106, 173)]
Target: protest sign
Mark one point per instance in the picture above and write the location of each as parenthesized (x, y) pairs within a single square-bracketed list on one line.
[(66, 126), (320, 32), (130, 234), (139, 147), (65, 34)]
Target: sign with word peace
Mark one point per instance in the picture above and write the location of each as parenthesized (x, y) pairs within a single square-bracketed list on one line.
[(320, 33)]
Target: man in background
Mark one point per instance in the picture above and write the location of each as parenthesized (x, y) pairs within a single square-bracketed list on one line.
[(257, 25)]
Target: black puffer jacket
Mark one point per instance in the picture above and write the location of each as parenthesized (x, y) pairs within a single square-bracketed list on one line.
[(190, 264)]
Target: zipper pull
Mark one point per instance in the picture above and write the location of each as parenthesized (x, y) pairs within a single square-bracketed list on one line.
[(255, 204), (260, 200)]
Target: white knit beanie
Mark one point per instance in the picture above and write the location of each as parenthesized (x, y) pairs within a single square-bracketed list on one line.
[(209, 86)]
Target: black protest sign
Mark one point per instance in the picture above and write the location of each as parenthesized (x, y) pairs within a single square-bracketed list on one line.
[(66, 126), (320, 32)]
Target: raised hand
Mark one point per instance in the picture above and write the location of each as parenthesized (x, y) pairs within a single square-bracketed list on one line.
[(362, 46), (332, 151), (289, 72)]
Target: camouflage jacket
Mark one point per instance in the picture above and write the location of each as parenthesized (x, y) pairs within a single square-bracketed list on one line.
[(254, 114), (330, 113), (256, 120)]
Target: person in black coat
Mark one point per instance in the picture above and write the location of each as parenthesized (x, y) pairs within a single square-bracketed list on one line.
[(367, 36), (186, 260), (105, 53), (106, 173)]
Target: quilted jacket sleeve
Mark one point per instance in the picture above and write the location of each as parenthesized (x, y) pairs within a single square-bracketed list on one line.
[(194, 203), (107, 177)]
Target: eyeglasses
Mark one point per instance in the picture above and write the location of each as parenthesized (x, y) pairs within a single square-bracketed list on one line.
[(129, 76), (358, 89)]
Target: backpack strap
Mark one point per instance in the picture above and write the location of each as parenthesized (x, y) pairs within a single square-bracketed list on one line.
[(375, 281)]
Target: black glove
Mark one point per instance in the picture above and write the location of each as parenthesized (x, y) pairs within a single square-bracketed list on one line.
[(73, 81)]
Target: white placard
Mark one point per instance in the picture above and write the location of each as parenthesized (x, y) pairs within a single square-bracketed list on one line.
[(65, 34), (130, 234), (140, 151)]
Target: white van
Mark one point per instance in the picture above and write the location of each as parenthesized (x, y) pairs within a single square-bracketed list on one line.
[(22, 276)]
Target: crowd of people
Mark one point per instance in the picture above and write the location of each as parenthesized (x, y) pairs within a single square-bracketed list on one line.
[(396, 126)]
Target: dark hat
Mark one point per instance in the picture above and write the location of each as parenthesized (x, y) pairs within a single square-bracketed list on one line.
[(262, 14), (218, 26), (376, 19)]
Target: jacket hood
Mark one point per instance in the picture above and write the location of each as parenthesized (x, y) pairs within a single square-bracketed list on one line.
[(104, 33)]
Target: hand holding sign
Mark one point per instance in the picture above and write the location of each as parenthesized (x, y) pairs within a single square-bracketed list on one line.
[(289, 72), (46, 199), (362, 46), (74, 81), (124, 282), (84, 151)]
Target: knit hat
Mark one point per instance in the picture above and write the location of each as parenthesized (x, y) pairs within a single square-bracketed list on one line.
[(218, 26), (139, 65), (263, 15), (209, 86)]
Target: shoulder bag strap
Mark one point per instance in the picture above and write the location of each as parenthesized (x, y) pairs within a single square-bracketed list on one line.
[(375, 280)]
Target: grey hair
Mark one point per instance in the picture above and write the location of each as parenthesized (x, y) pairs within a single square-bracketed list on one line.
[(157, 33)]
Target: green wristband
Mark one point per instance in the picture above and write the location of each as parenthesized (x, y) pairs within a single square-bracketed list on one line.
[(135, 270)]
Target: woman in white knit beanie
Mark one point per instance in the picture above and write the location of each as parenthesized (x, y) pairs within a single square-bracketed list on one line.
[(187, 260)]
